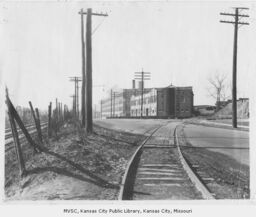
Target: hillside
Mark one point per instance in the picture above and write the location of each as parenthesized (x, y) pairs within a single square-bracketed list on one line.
[(242, 110)]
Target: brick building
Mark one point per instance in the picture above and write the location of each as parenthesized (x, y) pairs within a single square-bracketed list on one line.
[(168, 102), (149, 103), (118, 105), (184, 102)]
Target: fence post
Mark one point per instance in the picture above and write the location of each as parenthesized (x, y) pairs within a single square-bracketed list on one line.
[(16, 116), (17, 145), (36, 122), (39, 126), (57, 112), (60, 119), (49, 119)]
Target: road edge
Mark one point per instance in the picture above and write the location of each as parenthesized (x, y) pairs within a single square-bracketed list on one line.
[(199, 185)]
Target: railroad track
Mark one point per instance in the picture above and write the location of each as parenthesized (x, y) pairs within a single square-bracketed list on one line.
[(8, 132), (9, 145), (158, 170)]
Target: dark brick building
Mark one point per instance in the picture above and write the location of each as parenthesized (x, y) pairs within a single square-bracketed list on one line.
[(168, 102)]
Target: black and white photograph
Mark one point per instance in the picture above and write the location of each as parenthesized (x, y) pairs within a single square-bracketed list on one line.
[(123, 101)]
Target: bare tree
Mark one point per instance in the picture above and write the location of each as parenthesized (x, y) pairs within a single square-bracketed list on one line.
[(218, 88)]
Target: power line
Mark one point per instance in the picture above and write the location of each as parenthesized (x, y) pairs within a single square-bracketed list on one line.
[(96, 28)]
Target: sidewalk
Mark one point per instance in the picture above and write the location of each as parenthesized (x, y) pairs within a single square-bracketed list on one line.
[(223, 124), (212, 123)]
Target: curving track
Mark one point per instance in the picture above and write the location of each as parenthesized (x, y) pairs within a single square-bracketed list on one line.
[(158, 170)]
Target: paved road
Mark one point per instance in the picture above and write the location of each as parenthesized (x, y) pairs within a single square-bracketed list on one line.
[(233, 143)]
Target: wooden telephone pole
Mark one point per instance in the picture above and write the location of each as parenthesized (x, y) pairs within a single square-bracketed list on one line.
[(236, 22), (76, 80), (142, 76), (114, 103), (87, 77)]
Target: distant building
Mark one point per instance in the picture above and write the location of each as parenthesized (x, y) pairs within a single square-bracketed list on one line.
[(106, 108), (184, 102), (149, 103), (118, 105), (167, 102)]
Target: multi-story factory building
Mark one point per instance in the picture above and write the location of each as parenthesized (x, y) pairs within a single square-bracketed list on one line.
[(168, 102), (117, 105), (184, 102), (149, 103), (105, 108)]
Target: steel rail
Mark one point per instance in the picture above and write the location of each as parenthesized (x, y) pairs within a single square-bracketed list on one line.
[(9, 144), (126, 185), (206, 194), (9, 134), (129, 176)]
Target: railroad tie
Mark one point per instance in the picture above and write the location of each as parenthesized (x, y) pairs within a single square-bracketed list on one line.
[(163, 184), (162, 178), (158, 146), (173, 170), (161, 164)]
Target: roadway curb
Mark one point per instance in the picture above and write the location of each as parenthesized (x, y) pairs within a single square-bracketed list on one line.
[(199, 185)]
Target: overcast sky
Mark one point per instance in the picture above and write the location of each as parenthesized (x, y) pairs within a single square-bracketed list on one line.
[(179, 43)]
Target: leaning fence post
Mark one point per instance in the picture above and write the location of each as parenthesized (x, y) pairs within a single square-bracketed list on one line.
[(16, 116), (59, 115), (35, 120), (39, 125), (57, 110), (17, 145), (49, 119)]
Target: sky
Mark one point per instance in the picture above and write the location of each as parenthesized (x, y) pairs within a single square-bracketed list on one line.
[(180, 43)]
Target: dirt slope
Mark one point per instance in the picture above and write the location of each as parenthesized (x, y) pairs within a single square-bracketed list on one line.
[(242, 110)]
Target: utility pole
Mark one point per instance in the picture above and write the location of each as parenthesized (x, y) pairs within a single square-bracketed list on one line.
[(236, 22), (56, 101), (87, 78), (142, 76), (114, 96), (76, 80), (49, 119), (83, 68)]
